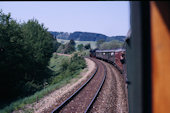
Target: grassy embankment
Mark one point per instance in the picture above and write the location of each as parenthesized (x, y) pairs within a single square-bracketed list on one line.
[(63, 70)]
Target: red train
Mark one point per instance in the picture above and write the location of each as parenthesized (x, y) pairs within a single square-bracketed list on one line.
[(115, 57)]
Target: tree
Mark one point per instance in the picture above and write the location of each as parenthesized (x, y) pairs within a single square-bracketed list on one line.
[(99, 42), (72, 42), (25, 50), (38, 42), (69, 47), (114, 44), (12, 56), (87, 46), (61, 48), (56, 45), (80, 47)]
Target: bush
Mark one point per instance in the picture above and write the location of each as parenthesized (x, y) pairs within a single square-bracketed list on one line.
[(68, 48), (80, 47), (69, 68), (114, 44), (64, 65), (87, 46), (55, 55)]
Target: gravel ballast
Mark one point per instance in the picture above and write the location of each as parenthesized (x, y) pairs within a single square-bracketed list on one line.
[(45, 104), (112, 98)]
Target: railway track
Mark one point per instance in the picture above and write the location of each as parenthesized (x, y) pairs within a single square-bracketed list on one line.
[(113, 96), (82, 99)]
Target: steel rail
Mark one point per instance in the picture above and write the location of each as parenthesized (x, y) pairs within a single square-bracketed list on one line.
[(56, 110), (97, 93)]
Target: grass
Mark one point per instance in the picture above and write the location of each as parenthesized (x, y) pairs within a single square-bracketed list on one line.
[(56, 61), (38, 95), (59, 79), (92, 43), (84, 53)]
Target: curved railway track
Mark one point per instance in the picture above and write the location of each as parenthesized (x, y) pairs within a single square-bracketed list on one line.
[(82, 99), (113, 96)]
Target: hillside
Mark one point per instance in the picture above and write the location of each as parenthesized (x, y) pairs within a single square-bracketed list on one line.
[(85, 36), (60, 35), (119, 38)]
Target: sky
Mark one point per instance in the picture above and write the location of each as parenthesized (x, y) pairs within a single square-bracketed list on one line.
[(110, 18)]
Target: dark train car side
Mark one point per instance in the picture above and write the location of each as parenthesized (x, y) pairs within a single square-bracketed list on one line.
[(115, 57)]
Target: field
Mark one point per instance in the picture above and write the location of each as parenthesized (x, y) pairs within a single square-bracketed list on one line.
[(92, 43)]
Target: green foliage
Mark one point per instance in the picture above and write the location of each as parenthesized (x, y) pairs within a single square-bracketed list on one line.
[(55, 55), (55, 64), (69, 68), (60, 77), (61, 48), (12, 56), (87, 46), (72, 42), (64, 65), (99, 42), (56, 45), (68, 48), (19, 104), (80, 47), (114, 44), (25, 50), (31, 86), (84, 53), (79, 61), (92, 43), (38, 40)]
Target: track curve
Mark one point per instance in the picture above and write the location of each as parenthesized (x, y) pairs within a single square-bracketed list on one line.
[(84, 97), (113, 96)]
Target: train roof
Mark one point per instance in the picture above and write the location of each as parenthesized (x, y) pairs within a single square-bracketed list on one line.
[(112, 50)]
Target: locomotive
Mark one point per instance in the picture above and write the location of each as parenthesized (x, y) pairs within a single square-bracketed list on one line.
[(114, 56)]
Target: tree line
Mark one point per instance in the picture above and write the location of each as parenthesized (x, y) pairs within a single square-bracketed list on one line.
[(69, 47), (114, 44), (25, 50)]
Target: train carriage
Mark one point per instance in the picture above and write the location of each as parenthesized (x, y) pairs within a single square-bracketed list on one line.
[(118, 57), (112, 56), (99, 54)]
